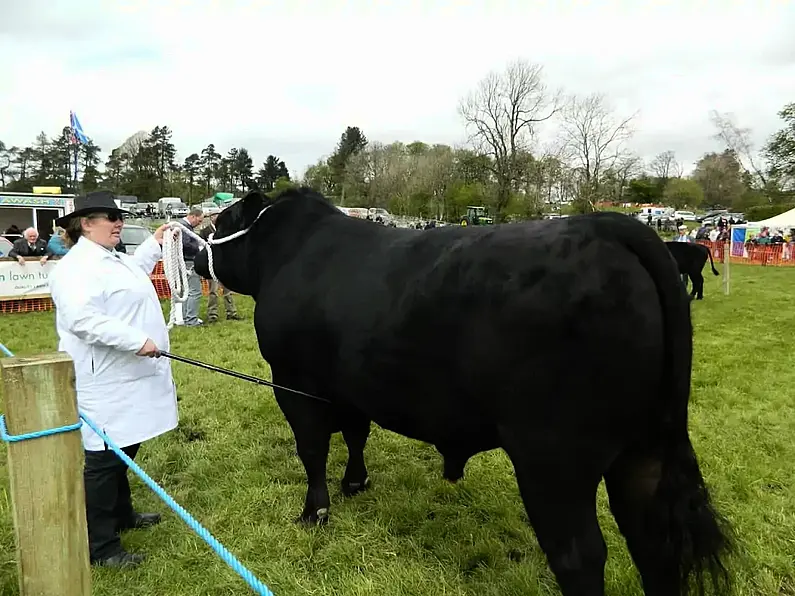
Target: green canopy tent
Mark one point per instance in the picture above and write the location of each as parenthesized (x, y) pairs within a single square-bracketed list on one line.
[(223, 198)]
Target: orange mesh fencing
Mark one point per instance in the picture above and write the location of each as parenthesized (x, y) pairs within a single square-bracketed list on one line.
[(158, 278), (774, 255)]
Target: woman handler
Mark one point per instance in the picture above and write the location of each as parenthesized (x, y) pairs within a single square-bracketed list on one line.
[(108, 320)]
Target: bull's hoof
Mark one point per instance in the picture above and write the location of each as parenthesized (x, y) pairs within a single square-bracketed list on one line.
[(350, 489), (316, 518)]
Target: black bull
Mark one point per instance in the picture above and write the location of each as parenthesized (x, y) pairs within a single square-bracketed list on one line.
[(566, 343), (690, 258)]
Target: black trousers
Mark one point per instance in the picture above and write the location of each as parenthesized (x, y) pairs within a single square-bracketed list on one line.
[(108, 500)]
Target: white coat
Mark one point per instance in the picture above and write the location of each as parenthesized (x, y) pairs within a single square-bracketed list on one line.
[(106, 308)]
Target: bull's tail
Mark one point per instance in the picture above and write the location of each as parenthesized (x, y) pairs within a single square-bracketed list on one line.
[(687, 537), (711, 262)]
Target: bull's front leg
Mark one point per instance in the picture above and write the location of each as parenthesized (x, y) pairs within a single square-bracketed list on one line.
[(313, 451), (311, 422)]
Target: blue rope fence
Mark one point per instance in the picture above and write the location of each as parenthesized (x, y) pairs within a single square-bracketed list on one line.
[(203, 533)]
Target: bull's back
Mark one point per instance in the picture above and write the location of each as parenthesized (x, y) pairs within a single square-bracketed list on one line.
[(455, 331), (474, 326)]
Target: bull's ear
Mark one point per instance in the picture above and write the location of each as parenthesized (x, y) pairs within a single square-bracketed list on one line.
[(253, 203)]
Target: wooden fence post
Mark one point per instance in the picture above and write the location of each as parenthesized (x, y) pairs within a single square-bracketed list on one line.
[(46, 476)]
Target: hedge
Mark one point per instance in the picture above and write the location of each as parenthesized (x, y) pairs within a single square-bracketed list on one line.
[(762, 212)]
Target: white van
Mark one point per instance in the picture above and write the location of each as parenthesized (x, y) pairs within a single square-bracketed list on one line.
[(164, 202), (656, 213)]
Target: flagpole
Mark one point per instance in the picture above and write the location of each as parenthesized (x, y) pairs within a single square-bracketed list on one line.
[(77, 152), (77, 133)]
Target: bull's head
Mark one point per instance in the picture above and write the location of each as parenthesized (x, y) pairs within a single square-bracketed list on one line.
[(232, 259)]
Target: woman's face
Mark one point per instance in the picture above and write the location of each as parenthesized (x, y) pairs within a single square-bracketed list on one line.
[(103, 228)]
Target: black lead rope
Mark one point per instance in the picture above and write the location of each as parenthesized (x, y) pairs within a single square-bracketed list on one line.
[(238, 375)]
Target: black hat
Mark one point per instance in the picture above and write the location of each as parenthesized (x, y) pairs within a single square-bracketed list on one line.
[(99, 201)]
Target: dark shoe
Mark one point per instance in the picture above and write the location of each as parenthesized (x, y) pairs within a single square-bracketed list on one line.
[(212, 319), (142, 520), (123, 560), (233, 318)]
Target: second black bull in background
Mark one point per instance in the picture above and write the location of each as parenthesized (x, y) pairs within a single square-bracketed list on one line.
[(690, 259), (586, 320)]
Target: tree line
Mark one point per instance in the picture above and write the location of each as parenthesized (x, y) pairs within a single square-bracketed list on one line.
[(145, 165), (582, 162)]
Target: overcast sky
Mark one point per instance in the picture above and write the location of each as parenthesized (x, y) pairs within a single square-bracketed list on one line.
[(288, 78)]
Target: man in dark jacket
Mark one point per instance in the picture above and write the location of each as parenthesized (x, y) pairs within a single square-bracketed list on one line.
[(190, 248), (30, 245)]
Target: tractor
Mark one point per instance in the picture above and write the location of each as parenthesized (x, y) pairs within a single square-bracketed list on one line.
[(476, 216)]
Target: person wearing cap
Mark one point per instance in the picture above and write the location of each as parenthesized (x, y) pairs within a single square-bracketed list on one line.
[(683, 236), (110, 322)]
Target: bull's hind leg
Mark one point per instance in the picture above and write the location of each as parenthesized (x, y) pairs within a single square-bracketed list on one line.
[(453, 467), (558, 489), (698, 285), (355, 431), (631, 484)]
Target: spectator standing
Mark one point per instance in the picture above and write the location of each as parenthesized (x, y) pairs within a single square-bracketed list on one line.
[(56, 244), (683, 236), (212, 299), (109, 320), (190, 248)]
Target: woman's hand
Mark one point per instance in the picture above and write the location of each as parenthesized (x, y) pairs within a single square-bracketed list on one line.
[(159, 233), (149, 349)]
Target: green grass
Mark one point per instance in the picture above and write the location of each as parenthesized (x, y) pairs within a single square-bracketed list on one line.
[(412, 533)]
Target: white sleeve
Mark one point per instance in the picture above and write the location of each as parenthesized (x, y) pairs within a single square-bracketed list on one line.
[(80, 308), (147, 255)]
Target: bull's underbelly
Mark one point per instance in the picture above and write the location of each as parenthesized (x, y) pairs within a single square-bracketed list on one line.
[(468, 435)]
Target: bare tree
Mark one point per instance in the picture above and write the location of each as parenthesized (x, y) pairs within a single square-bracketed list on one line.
[(501, 116), (738, 140), (665, 166), (132, 145), (595, 139), (625, 168)]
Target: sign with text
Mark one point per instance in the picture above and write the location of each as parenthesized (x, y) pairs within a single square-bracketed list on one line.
[(25, 281)]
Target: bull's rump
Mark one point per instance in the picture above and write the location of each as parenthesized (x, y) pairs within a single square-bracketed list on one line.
[(457, 331)]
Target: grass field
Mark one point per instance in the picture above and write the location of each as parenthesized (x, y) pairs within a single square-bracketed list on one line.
[(232, 464)]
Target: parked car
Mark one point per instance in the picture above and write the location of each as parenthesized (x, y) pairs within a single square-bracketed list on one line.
[(685, 215), (133, 236), (379, 215), (177, 210), (711, 215), (209, 208)]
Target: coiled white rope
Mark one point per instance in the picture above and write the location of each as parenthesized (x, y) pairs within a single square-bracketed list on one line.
[(174, 267)]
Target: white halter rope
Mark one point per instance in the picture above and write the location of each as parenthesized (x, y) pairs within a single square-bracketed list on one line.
[(174, 266)]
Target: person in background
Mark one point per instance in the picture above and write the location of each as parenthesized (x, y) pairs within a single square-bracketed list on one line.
[(683, 236), (212, 298), (109, 320), (56, 244), (30, 245), (190, 248)]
